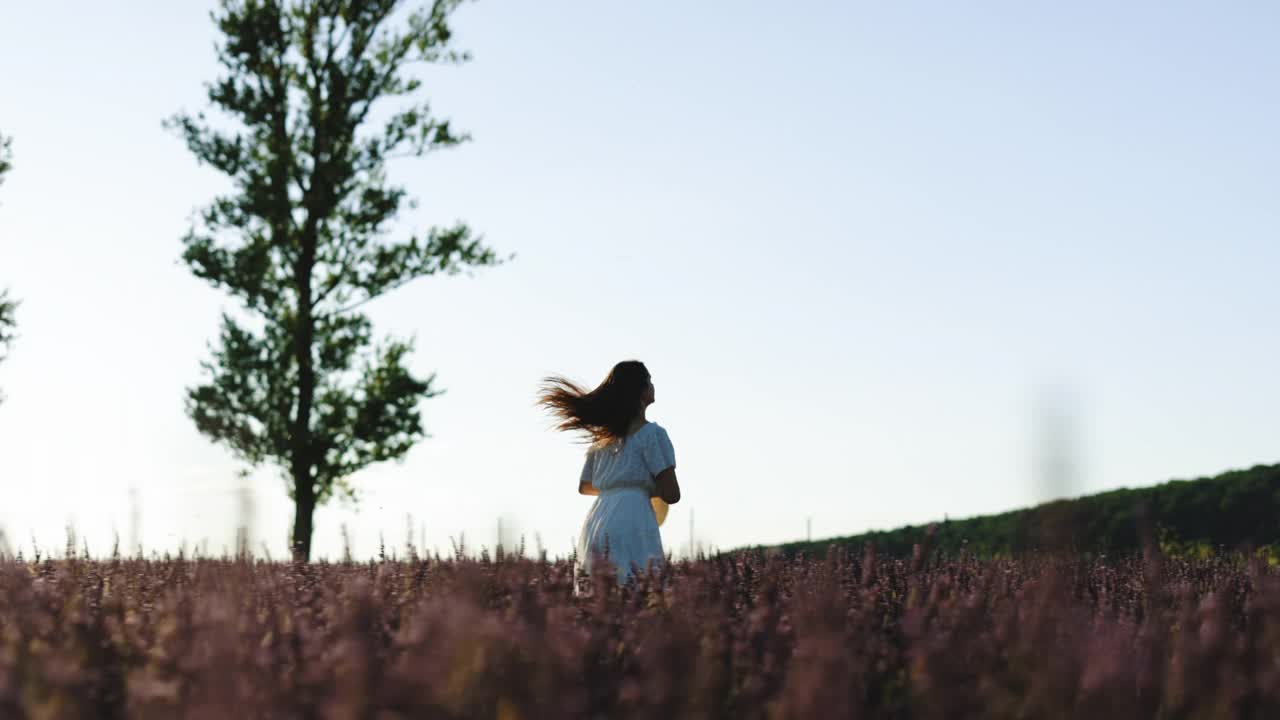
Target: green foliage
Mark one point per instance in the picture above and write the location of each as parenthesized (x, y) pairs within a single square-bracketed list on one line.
[(8, 307), (302, 241), (8, 310), (1196, 518), (6, 156)]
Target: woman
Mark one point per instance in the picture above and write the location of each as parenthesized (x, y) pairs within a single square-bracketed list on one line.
[(629, 462)]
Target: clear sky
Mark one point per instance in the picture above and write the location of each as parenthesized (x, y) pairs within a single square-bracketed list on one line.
[(852, 241)]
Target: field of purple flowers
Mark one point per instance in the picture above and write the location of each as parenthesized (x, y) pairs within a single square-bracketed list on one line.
[(745, 635)]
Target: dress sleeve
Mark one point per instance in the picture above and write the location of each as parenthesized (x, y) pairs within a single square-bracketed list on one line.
[(658, 453), (587, 475)]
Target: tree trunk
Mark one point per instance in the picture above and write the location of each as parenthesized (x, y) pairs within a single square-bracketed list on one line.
[(302, 462), (304, 507)]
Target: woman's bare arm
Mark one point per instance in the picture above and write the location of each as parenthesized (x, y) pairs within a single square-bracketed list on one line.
[(586, 488), (668, 488)]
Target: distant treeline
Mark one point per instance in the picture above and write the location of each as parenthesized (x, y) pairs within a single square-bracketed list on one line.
[(1231, 511)]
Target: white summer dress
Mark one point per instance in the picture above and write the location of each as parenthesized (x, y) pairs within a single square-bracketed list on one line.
[(624, 471)]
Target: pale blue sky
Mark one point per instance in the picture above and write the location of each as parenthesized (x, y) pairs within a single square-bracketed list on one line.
[(851, 240)]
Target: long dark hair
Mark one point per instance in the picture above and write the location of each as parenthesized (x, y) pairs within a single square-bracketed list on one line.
[(603, 414)]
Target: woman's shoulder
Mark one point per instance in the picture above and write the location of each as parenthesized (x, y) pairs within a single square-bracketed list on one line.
[(655, 430)]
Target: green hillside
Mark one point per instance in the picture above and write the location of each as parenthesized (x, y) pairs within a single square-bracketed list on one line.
[(1232, 510)]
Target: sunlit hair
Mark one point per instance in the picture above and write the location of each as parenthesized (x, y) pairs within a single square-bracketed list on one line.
[(603, 414)]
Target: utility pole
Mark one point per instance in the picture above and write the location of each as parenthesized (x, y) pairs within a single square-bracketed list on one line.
[(135, 522), (244, 532), (693, 548), (808, 529)]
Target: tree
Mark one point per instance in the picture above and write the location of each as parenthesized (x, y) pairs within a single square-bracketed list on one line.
[(8, 307), (302, 240), (6, 156)]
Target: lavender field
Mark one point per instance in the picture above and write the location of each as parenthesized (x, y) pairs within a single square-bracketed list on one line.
[(746, 635)]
